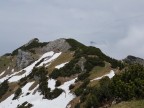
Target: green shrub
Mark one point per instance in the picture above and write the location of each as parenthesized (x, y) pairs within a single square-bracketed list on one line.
[(3, 88), (126, 86), (71, 86), (56, 92), (55, 74), (25, 105), (69, 69), (77, 105), (83, 76), (79, 91), (75, 44), (23, 81), (41, 72), (58, 83), (17, 93)]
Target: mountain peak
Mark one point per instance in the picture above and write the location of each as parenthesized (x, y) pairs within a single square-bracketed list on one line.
[(42, 74), (132, 60), (31, 41)]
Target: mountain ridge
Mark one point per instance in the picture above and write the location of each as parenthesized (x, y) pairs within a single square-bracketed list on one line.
[(55, 71)]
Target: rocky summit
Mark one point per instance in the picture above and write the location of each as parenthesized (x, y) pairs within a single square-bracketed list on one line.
[(132, 60), (65, 73)]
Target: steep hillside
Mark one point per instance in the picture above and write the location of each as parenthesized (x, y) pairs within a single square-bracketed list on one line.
[(61, 74)]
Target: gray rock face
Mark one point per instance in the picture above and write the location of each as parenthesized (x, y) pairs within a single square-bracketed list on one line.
[(59, 45), (131, 59), (23, 59), (81, 64)]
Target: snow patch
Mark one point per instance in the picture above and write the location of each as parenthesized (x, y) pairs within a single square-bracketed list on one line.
[(12, 70), (61, 65), (28, 69), (51, 84), (47, 65), (25, 89), (8, 68), (110, 75), (47, 60), (2, 73), (37, 99)]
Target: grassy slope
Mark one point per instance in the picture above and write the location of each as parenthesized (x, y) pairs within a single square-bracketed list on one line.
[(130, 104), (12, 88), (98, 72), (64, 57), (4, 63)]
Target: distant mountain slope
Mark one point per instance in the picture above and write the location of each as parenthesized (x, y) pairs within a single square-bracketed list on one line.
[(132, 60)]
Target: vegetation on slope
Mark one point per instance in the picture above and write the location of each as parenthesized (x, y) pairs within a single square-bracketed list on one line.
[(69, 69), (75, 44), (127, 86), (130, 104), (40, 74), (3, 88), (97, 52), (4, 62), (94, 57), (25, 105), (17, 93)]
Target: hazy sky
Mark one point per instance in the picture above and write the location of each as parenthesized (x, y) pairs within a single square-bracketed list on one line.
[(116, 26)]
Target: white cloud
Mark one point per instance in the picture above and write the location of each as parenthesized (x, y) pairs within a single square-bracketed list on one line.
[(135, 37), (132, 44), (28, 1)]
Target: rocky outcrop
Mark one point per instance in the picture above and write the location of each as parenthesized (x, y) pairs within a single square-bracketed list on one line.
[(59, 45), (132, 60), (23, 59), (81, 64), (31, 41)]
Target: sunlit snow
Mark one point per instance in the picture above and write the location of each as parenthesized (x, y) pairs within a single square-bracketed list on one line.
[(51, 84), (37, 99), (28, 69), (47, 60), (51, 55)]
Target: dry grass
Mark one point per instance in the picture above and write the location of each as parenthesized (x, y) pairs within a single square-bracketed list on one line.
[(4, 63), (33, 85), (12, 88), (94, 83), (65, 79), (74, 102), (76, 85), (64, 57), (20, 73), (130, 104), (100, 71)]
